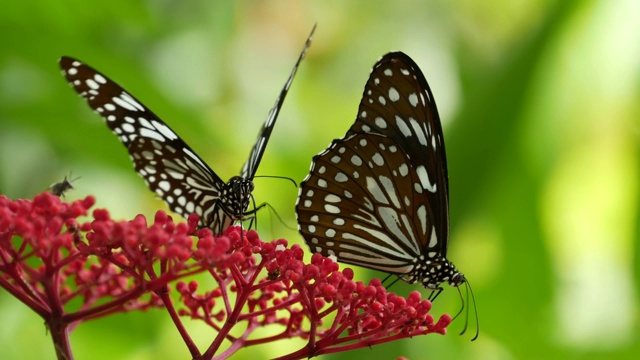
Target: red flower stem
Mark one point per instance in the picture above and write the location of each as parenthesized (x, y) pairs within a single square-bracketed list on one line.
[(330, 348), (272, 309), (60, 337), (329, 310), (337, 320), (222, 285), (327, 345), (55, 321), (39, 306), (259, 286), (237, 344), (168, 304), (308, 303), (71, 257), (23, 246), (282, 335), (23, 290), (126, 268), (238, 277), (106, 307), (232, 318)]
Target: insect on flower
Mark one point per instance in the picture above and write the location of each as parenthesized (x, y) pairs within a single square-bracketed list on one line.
[(167, 164)]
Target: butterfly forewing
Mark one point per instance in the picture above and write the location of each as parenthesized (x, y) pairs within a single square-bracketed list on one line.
[(168, 165), (397, 102), (180, 178), (363, 203), (251, 166)]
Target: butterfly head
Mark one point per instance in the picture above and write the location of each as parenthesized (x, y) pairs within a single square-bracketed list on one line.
[(237, 195), (431, 273)]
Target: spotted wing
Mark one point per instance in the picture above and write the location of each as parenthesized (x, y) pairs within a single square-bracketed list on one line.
[(168, 165), (398, 103), (364, 203), (251, 166)]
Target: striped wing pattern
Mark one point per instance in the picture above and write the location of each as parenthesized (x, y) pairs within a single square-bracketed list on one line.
[(168, 165)]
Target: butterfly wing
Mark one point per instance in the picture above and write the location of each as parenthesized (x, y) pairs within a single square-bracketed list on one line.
[(398, 103), (251, 166), (363, 203), (167, 164)]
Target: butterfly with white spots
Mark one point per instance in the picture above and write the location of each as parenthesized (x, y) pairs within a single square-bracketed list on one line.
[(168, 165), (379, 197)]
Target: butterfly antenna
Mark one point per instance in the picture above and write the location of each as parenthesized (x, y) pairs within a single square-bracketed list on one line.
[(466, 321), (275, 212), (295, 184), (475, 309)]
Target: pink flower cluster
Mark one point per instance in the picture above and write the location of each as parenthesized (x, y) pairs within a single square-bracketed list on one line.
[(48, 259)]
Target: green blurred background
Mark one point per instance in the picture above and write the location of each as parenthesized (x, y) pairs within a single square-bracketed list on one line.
[(539, 101)]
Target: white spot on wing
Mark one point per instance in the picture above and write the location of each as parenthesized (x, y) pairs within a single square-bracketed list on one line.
[(92, 84), (393, 94), (375, 190), (164, 130), (422, 216), (433, 239), (341, 177), (390, 189), (99, 78), (422, 138), (151, 134), (404, 170), (331, 198), (413, 99), (404, 129), (331, 209), (424, 179), (377, 159)]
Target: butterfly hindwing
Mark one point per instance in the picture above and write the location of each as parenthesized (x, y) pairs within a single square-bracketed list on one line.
[(362, 203)]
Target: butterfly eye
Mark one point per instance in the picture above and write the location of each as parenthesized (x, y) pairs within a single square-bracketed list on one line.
[(168, 165)]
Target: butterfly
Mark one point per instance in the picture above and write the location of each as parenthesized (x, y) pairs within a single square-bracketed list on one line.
[(168, 165), (379, 196)]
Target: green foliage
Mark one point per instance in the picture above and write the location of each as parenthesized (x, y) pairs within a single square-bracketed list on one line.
[(538, 100)]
